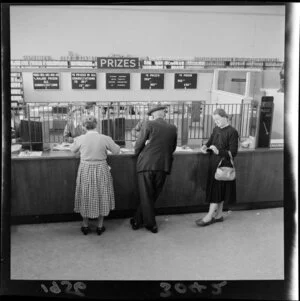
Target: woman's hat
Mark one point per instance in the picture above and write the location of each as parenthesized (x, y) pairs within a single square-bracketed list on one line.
[(157, 108)]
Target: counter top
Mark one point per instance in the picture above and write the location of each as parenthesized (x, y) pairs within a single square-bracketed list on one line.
[(69, 155)]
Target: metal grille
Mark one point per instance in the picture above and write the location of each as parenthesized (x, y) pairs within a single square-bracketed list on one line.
[(38, 125)]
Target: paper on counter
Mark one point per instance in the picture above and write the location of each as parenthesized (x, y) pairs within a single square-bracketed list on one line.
[(126, 150), (183, 149), (62, 147), (30, 154)]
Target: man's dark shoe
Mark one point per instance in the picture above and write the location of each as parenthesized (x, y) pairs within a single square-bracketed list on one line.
[(152, 229), (134, 224)]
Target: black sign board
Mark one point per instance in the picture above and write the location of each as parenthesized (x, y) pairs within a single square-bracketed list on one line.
[(118, 62), (265, 121), (83, 80), (117, 81), (185, 81), (152, 81), (45, 80), (238, 80)]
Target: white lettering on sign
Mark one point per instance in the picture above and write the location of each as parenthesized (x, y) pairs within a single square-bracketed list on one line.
[(102, 63), (110, 63), (121, 63)]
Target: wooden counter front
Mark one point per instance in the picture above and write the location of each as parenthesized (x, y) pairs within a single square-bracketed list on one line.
[(46, 185)]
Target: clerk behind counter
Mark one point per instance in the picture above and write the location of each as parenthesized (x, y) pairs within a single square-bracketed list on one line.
[(74, 126)]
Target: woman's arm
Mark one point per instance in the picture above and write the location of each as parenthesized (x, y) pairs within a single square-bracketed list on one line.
[(209, 142), (75, 146), (233, 142), (112, 146)]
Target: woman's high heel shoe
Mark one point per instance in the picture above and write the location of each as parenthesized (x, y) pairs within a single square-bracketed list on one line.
[(85, 230), (100, 230)]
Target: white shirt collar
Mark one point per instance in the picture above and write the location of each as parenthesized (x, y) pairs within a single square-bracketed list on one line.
[(91, 131)]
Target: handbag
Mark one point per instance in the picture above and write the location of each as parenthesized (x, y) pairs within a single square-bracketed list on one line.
[(225, 173)]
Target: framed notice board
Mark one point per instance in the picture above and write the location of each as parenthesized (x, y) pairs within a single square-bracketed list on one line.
[(117, 81), (84, 80), (45, 80), (152, 80), (185, 81)]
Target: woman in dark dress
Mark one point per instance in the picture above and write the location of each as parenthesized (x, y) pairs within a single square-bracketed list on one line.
[(223, 139)]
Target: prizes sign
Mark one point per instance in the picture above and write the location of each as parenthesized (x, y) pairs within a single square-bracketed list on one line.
[(117, 63)]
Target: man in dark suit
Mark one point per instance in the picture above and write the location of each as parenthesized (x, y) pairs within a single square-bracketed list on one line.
[(155, 146)]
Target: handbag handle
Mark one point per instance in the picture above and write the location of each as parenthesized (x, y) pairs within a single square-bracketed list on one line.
[(231, 159)]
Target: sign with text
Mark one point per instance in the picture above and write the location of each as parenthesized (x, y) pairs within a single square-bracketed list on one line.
[(117, 81), (185, 81), (118, 62), (238, 80), (45, 80), (152, 81), (83, 80)]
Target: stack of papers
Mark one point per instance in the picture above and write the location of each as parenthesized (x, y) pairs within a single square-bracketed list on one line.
[(276, 143), (16, 148)]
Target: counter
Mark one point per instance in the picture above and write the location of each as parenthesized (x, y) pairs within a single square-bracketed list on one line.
[(43, 187)]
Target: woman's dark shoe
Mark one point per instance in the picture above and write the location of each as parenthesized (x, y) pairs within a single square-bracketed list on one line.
[(152, 229), (202, 223), (100, 230), (220, 219), (134, 224), (85, 230)]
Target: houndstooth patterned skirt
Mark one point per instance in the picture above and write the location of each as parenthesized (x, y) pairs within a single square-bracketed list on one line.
[(94, 193)]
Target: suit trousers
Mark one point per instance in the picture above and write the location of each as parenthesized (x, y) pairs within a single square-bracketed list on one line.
[(150, 186)]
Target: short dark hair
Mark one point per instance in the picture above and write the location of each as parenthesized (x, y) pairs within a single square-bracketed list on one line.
[(90, 122), (220, 112)]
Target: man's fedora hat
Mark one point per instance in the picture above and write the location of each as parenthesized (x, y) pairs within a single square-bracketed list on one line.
[(157, 108)]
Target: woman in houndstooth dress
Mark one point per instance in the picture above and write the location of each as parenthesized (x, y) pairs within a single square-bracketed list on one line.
[(94, 195)]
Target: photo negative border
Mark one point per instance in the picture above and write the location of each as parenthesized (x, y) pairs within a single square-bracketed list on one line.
[(121, 290)]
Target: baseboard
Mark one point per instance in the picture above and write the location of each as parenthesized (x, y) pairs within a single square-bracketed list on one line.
[(69, 217)]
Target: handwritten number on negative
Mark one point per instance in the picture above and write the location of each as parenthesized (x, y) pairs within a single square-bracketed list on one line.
[(218, 286), (77, 286), (166, 286), (55, 289)]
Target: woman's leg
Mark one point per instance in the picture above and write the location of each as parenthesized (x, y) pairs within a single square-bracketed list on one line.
[(85, 222), (211, 212), (100, 221), (219, 212), (100, 228)]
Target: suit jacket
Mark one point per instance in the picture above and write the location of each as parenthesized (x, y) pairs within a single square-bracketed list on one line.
[(157, 154)]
